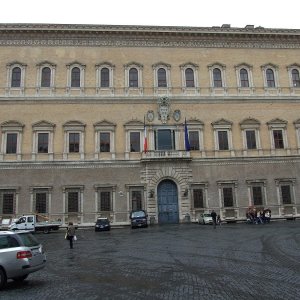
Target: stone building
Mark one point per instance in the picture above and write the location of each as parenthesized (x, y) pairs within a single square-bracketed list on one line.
[(78, 101)]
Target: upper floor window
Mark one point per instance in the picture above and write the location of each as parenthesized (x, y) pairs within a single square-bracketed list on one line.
[(223, 140), (134, 136), (11, 143), (217, 78), (189, 77), (16, 77), (75, 77), (104, 77), (250, 131), (74, 139), (133, 77), (251, 139), (135, 142), (295, 78), (244, 78), (270, 78), (161, 77), (223, 134), (194, 140), (46, 77), (278, 134)]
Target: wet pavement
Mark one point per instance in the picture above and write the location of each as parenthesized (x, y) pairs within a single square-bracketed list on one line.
[(187, 261)]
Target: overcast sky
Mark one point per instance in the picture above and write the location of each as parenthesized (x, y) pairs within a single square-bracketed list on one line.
[(199, 13)]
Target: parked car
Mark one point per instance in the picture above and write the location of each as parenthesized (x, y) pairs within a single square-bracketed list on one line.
[(20, 255), (205, 219), (102, 224), (138, 218)]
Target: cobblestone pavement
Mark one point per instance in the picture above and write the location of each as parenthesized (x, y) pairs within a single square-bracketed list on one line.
[(188, 261)]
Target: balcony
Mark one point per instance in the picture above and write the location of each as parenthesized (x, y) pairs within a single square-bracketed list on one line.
[(165, 154)]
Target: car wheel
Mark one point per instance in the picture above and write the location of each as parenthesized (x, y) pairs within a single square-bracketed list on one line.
[(3, 278), (46, 230), (203, 222), (20, 279)]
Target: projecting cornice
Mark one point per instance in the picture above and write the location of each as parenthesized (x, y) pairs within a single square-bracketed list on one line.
[(146, 36)]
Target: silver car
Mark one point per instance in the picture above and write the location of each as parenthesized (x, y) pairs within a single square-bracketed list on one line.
[(205, 219), (20, 255)]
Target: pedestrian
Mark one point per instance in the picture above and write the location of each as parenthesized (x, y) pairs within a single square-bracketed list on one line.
[(70, 234), (214, 218), (219, 221)]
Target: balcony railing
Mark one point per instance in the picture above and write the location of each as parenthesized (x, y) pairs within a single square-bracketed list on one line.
[(158, 154)]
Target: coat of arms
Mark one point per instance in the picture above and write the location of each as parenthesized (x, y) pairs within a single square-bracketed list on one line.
[(164, 109)]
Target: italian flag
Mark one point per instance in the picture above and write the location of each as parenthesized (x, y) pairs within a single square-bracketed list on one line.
[(145, 137)]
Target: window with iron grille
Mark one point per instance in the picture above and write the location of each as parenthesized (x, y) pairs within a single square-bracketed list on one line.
[(46, 77), (16, 77), (73, 202), (198, 196), (43, 139), (251, 139), (194, 140), (8, 203), (11, 143), (278, 139), (104, 77), (136, 200), (105, 201), (41, 202), (228, 196), (257, 194), (286, 194)]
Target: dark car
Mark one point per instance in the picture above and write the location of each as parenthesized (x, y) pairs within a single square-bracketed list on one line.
[(102, 224), (138, 218)]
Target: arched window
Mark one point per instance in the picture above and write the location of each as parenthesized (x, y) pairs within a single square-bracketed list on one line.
[(189, 78), (217, 77), (161, 77), (104, 77), (244, 78), (295, 78), (16, 77), (270, 78), (75, 77), (46, 77), (133, 77)]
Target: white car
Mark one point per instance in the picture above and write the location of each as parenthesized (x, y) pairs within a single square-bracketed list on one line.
[(205, 219)]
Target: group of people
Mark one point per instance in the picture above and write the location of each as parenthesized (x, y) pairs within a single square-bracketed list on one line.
[(261, 216)]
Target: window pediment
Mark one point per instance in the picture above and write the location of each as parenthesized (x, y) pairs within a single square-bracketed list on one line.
[(133, 123), (16, 63), (105, 64), (104, 125), (277, 123), (216, 65), (243, 65), (76, 63), (189, 65), (161, 64), (133, 64), (43, 125), (74, 125), (250, 121), (221, 122), (12, 125), (194, 122), (292, 66), (269, 65), (46, 63)]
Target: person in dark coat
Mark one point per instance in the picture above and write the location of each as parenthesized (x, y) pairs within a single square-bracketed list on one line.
[(71, 234), (214, 218)]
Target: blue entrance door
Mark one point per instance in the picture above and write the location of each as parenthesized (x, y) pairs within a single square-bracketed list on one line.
[(167, 203)]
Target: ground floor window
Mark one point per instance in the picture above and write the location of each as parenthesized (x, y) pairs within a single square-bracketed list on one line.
[(136, 200), (41, 202), (7, 203), (286, 196), (73, 202), (228, 198), (198, 196), (257, 195), (104, 201)]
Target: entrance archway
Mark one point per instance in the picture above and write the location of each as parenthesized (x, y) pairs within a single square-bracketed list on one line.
[(167, 195)]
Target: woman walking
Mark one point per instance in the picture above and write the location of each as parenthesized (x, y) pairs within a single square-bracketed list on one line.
[(71, 234)]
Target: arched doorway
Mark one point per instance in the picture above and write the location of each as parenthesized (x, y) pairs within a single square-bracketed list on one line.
[(167, 195)]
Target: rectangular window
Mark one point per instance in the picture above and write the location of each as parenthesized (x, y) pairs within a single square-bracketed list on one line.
[(251, 139), (228, 196), (136, 200), (257, 195), (286, 194), (73, 202), (104, 142), (8, 203), (135, 143), (164, 139), (194, 140), (198, 198), (105, 201), (11, 143), (41, 202), (43, 139), (278, 139), (223, 140), (73, 142)]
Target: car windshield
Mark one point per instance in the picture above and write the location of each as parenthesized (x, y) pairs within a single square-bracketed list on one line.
[(28, 239), (206, 215), (138, 214), (102, 221)]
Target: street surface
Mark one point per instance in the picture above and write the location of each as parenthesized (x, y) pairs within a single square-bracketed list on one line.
[(187, 261)]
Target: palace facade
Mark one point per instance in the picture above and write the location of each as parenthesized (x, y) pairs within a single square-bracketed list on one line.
[(77, 103)]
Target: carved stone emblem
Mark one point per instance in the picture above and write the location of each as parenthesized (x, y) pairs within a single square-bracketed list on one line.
[(150, 115), (164, 109), (177, 115)]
